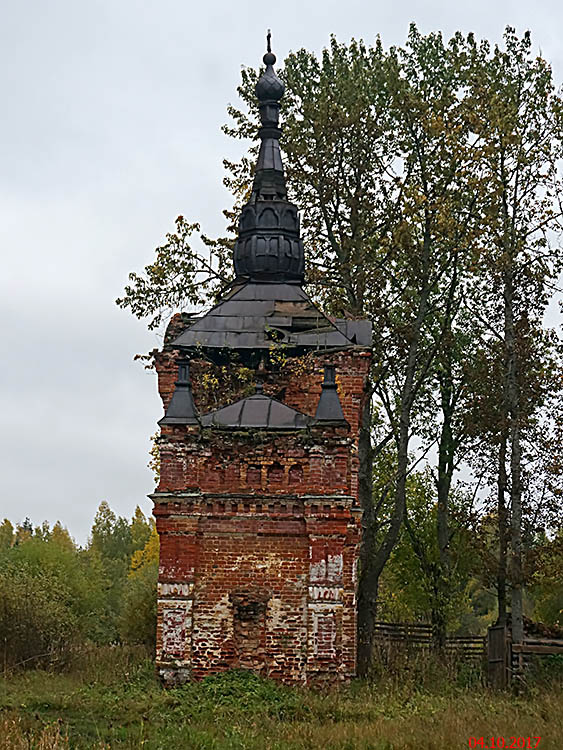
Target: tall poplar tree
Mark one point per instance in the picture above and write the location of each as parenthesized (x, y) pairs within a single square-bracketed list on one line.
[(518, 114)]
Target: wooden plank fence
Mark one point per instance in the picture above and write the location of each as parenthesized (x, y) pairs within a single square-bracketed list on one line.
[(506, 661), (538, 646), (419, 635)]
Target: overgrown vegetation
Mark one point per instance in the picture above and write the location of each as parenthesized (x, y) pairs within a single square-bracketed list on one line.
[(110, 698), (55, 597)]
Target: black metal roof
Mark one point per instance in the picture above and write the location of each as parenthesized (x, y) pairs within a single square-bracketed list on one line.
[(267, 307), (261, 316), (258, 412)]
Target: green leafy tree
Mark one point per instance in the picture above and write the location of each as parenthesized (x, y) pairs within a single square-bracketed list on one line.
[(547, 581), (517, 115), (137, 621), (6, 535), (37, 626), (51, 598), (181, 275), (24, 531), (111, 535), (411, 586), (60, 536), (113, 541), (141, 530)]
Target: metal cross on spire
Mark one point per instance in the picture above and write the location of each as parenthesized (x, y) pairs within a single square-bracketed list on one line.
[(268, 41)]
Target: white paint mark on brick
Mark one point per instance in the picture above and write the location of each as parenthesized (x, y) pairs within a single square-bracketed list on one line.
[(174, 632), (328, 593), (334, 567), (328, 570), (174, 590), (317, 571), (324, 635)]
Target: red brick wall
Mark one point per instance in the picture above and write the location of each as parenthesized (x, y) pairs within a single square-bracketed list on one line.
[(299, 555), (320, 462), (259, 535), (302, 383)]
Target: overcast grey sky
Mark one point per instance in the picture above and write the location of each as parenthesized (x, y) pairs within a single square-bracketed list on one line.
[(110, 128)]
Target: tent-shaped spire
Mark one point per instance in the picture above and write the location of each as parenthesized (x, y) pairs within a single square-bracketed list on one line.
[(269, 247), (266, 306)]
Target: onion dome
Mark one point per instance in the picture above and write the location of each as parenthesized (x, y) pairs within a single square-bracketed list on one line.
[(269, 86)]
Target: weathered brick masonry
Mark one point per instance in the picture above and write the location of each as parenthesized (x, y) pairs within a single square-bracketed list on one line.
[(257, 506), (259, 540)]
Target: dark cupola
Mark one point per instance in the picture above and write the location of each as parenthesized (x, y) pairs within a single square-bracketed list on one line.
[(268, 247)]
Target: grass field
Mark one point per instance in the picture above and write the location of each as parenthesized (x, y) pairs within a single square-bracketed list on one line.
[(111, 699)]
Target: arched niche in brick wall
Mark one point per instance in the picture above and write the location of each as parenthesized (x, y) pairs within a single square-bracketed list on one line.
[(295, 475), (249, 626), (275, 473), (254, 475)]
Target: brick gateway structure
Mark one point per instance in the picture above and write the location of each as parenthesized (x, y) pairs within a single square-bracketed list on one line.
[(257, 507)]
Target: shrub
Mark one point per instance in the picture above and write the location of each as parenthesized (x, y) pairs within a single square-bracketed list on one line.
[(137, 619), (37, 625)]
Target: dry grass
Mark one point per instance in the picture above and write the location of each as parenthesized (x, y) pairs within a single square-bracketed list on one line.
[(112, 700), (13, 737), (50, 737)]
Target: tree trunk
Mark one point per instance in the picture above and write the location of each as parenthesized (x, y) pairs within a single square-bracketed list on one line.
[(446, 452), (502, 512), (516, 538), (368, 587), (439, 624), (376, 559), (515, 459)]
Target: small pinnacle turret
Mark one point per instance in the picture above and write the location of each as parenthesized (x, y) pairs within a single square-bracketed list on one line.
[(181, 409), (329, 409)]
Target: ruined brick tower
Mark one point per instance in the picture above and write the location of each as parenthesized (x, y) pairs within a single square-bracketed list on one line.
[(257, 507)]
